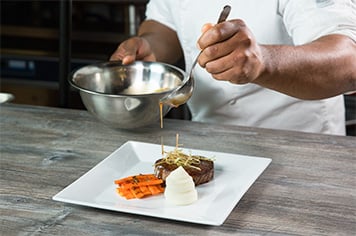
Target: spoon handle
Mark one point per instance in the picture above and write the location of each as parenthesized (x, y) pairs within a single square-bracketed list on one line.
[(224, 14)]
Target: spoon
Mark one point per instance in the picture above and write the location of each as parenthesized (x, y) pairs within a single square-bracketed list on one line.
[(181, 94)]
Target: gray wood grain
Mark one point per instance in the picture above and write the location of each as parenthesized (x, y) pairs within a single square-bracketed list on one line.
[(308, 189)]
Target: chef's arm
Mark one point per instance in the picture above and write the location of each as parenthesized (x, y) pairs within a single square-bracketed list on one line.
[(155, 42), (163, 40), (323, 68), (320, 69)]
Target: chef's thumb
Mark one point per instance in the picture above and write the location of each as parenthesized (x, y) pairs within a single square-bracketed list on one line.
[(128, 59)]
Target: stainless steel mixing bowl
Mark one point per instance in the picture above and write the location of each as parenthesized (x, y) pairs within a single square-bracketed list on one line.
[(126, 96)]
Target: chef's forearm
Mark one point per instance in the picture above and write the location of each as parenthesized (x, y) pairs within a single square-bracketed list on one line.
[(321, 69), (163, 40)]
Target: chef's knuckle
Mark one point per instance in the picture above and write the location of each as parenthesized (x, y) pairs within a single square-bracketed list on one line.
[(216, 34), (239, 58), (247, 40), (212, 50), (239, 23)]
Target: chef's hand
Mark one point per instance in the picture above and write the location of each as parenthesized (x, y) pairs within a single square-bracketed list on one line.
[(135, 48), (230, 52)]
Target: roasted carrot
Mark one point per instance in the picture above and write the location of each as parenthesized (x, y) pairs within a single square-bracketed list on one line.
[(155, 189), (145, 190), (125, 193), (139, 186), (135, 179), (148, 183)]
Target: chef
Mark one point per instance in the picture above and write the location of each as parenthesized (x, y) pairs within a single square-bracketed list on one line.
[(281, 64)]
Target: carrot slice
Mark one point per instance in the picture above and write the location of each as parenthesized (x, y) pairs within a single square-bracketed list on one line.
[(139, 186), (145, 190), (137, 192), (136, 179), (126, 194), (156, 189), (151, 182)]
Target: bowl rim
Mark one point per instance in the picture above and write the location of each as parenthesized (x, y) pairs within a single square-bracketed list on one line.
[(97, 64)]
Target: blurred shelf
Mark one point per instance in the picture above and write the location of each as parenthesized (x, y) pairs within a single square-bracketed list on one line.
[(50, 33), (30, 42), (32, 27)]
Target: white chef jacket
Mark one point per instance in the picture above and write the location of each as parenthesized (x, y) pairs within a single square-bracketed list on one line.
[(272, 22)]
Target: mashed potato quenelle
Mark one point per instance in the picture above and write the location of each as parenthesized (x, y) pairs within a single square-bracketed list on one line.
[(180, 188)]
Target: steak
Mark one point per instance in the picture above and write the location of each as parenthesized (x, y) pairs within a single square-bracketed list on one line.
[(204, 174)]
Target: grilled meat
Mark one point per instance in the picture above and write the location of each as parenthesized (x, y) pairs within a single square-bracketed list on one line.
[(204, 174)]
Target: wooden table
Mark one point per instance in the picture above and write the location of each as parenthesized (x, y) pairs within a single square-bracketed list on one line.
[(308, 189)]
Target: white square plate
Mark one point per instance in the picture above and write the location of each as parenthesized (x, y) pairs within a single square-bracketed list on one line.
[(234, 174)]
